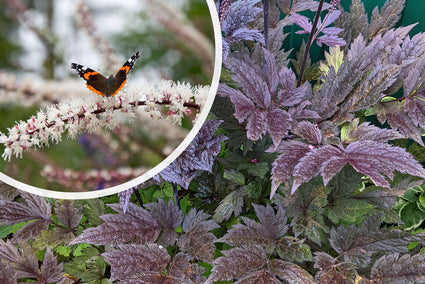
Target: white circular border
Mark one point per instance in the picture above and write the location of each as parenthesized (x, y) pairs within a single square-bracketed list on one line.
[(151, 173)]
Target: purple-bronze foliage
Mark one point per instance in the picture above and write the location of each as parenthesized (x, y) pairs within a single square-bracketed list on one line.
[(199, 155), (312, 126)]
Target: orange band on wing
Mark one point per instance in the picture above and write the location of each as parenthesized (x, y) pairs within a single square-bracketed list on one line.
[(95, 91), (88, 74), (126, 69), (119, 88)]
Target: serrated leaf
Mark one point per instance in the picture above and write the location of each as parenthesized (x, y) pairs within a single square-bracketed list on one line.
[(68, 213), (169, 218), (359, 243), (332, 270), (234, 176), (369, 91), (382, 21), (52, 238), (5, 230), (133, 259), (197, 241), (267, 233), (136, 225), (355, 22), (237, 262), (307, 208), (365, 131), (334, 58), (7, 275), (368, 157), (63, 250), (8, 192), (393, 268), (284, 165), (232, 203), (50, 271), (290, 272), (92, 210)]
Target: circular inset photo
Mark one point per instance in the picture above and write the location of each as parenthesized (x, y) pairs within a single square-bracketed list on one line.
[(98, 97)]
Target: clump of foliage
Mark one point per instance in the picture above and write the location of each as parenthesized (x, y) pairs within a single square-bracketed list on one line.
[(320, 179)]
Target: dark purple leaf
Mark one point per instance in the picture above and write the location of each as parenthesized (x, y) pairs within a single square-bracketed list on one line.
[(377, 159), (31, 230), (124, 197), (238, 262), (290, 272), (250, 77), (415, 109), (284, 165), (7, 275), (68, 213), (399, 269), (299, 112), (133, 259), (374, 159), (391, 112), (168, 217), (272, 74), (22, 259), (256, 125), (197, 239), (136, 225), (333, 271), (330, 40), (51, 271), (309, 132), (199, 155), (310, 165), (365, 131), (303, 22), (182, 267), (278, 124)]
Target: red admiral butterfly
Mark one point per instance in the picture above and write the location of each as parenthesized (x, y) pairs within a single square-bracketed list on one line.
[(101, 85)]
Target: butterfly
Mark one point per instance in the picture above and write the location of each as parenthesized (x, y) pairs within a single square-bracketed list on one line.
[(101, 85)]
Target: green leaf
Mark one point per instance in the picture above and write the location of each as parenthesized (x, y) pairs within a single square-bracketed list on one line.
[(165, 193), (63, 250), (348, 210), (79, 249), (234, 176), (52, 238), (232, 203), (411, 216), (411, 194), (5, 230), (88, 267), (344, 206), (259, 169), (412, 245), (93, 208)]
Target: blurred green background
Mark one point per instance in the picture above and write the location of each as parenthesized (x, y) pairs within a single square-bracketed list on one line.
[(165, 54)]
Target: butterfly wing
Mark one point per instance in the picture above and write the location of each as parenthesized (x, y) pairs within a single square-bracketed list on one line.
[(95, 81), (121, 76)]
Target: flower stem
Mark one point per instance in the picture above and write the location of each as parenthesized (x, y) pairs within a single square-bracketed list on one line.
[(310, 40)]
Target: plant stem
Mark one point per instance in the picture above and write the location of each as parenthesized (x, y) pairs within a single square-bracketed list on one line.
[(310, 39), (266, 22)]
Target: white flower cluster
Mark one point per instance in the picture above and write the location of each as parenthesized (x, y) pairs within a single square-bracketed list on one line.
[(93, 112)]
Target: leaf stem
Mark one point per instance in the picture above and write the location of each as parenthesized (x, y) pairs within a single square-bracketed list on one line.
[(310, 40), (266, 22)]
